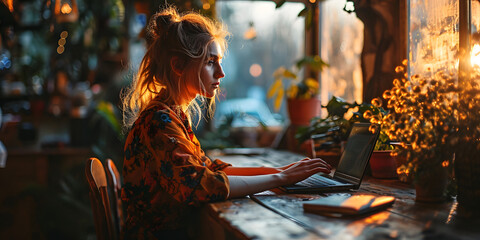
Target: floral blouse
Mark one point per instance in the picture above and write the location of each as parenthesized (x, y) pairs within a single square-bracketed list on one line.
[(166, 173)]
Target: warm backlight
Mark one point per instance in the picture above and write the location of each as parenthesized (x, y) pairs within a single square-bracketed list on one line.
[(255, 70), (363, 201), (475, 57), (66, 9)]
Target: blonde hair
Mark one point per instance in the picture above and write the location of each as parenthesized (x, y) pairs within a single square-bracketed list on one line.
[(172, 35)]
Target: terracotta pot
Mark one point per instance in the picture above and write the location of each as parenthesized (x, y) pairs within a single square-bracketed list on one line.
[(301, 111), (430, 186), (383, 165)]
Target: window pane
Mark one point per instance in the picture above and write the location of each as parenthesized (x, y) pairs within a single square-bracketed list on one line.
[(341, 47), (433, 36), (263, 38)]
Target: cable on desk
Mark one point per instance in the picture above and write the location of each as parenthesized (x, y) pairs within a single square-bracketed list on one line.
[(290, 217)]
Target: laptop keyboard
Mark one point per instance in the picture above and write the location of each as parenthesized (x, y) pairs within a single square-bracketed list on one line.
[(316, 180)]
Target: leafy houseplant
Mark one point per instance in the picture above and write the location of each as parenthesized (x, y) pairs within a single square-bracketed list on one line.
[(335, 128), (305, 88), (298, 91)]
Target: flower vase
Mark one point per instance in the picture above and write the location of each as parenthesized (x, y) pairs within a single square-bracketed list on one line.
[(301, 111), (430, 185), (467, 175)]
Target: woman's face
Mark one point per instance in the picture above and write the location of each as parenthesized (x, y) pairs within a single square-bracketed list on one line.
[(211, 72)]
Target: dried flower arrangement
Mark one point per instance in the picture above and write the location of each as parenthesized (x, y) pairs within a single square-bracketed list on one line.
[(437, 122), (432, 118), (423, 118)]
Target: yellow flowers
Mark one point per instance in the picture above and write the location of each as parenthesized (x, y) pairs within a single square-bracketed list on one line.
[(432, 118), (427, 116)]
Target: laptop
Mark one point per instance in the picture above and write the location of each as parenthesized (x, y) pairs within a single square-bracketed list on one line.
[(351, 167)]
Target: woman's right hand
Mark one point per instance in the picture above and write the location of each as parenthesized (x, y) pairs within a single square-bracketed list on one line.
[(303, 169)]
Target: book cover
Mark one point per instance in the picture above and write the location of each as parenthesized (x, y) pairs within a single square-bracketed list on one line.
[(346, 204)]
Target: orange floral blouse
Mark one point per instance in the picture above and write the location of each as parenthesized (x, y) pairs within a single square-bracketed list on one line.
[(166, 173)]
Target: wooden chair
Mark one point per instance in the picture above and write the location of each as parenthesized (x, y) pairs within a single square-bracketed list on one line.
[(115, 184), (104, 225)]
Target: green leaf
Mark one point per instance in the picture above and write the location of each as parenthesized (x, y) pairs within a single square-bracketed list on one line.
[(337, 107), (314, 62), (280, 3), (303, 13)]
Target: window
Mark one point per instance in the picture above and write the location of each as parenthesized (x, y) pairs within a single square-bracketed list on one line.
[(341, 43), (264, 38), (433, 29)]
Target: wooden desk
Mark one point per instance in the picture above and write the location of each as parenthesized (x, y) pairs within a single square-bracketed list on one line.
[(281, 216)]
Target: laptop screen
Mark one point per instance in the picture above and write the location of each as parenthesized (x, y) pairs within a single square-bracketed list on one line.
[(357, 152)]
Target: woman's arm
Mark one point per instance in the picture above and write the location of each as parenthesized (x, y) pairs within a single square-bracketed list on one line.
[(244, 185), (253, 171), (249, 171)]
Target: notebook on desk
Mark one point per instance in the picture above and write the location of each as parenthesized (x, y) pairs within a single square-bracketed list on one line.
[(346, 204), (351, 167)]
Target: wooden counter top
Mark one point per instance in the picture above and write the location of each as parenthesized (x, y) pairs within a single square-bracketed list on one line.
[(275, 215)]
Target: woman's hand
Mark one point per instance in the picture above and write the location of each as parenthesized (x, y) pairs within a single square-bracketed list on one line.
[(303, 169), (241, 185), (280, 169)]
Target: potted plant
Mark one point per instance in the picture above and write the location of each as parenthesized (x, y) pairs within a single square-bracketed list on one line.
[(327, 135), (334, 128), (422, 119), (301, 93), (383, 164)]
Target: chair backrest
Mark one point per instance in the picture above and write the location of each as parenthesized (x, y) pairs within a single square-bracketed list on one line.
[(95, 174), (116, 187)]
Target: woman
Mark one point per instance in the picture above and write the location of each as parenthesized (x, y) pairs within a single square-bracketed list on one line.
[(166, 173)]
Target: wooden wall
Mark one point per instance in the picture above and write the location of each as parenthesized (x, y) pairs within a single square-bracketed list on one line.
[(385, 42)]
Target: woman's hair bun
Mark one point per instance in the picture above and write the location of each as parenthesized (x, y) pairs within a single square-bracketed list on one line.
[(161, 22)]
